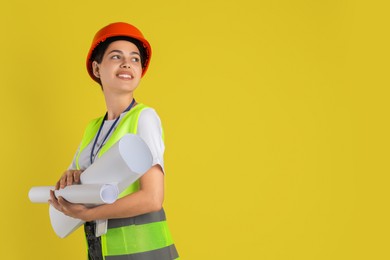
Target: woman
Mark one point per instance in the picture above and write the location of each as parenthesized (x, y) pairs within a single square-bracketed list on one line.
[(118, 58)]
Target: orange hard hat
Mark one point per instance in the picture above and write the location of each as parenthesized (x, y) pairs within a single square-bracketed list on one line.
[(119, 29)]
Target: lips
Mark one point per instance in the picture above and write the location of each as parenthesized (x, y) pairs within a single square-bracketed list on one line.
[(125, 75)]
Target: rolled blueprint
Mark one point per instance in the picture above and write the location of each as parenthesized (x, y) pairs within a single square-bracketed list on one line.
[(83, 193), (125, 162)]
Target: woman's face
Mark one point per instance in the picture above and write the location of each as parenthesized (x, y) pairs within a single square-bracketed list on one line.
[(121, 69)]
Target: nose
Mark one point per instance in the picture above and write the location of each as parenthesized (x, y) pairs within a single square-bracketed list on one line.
[(125, 65)]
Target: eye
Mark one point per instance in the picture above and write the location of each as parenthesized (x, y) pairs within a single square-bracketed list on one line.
[(115, 57), (135, 59)]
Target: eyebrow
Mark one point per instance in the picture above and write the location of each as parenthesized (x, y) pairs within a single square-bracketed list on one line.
[(133, 52)]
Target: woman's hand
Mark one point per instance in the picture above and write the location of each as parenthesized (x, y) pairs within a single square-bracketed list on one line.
[(68, 178), (78, 211)]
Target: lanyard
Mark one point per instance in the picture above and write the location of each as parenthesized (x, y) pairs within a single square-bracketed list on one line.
[(109, 131)]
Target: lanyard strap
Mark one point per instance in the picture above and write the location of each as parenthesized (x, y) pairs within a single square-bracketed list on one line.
[(109, 131)]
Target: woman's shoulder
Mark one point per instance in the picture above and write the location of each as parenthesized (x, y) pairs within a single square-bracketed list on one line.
[(149, 118), (148, 113)]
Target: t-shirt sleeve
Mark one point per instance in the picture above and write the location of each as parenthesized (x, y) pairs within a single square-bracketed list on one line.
[(150, 130)]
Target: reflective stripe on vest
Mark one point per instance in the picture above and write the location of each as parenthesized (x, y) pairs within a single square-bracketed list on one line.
[(142, 237), (138, 220), (163, 253)]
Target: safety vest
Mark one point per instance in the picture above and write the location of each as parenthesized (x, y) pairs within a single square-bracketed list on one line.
[(141, 237)]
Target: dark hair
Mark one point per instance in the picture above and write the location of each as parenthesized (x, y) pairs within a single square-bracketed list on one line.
[(98, 52)]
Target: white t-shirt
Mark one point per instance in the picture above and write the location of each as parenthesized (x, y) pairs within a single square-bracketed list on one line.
[(149, 129)]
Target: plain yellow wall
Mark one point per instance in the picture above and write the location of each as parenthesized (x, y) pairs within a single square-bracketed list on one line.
[(276, 115)]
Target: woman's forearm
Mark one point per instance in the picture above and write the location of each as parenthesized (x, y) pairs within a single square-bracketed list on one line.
[(148, 199)]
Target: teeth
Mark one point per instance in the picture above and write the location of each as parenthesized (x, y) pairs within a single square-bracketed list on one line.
[(127, 76)]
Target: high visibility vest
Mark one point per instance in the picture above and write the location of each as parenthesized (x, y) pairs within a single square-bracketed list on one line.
[(141, 237)]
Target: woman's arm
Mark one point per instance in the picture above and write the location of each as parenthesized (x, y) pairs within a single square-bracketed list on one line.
[(147, 199)]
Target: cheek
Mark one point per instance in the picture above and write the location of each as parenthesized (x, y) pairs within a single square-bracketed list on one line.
[(138, 68), (106, 69), (104, 74)]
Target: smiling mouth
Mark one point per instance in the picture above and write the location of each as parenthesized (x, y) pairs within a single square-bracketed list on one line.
[(124, 76)]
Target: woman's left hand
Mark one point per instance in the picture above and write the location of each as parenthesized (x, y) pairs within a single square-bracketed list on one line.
[(73, 210)]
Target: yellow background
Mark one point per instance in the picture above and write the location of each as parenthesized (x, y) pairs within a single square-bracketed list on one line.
[(276, 116)]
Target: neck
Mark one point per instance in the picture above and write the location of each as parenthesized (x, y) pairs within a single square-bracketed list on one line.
[(116, 106)]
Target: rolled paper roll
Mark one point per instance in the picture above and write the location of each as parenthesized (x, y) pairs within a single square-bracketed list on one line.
[(82, 193), (40, 194), (123, 163)]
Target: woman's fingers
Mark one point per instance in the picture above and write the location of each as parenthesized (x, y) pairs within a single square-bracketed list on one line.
[(53, 201), (68, 178), (64, 204), (57, 187), (64, 180), (76, 176), (69, 209)]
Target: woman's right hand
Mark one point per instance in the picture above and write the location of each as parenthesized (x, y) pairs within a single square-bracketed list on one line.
[(68, 178)]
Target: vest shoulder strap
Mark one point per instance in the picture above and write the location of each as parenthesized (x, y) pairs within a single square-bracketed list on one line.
[(127, 125), (89, 134)]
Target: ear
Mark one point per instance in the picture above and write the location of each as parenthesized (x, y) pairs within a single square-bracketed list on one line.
[(95, 69)]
